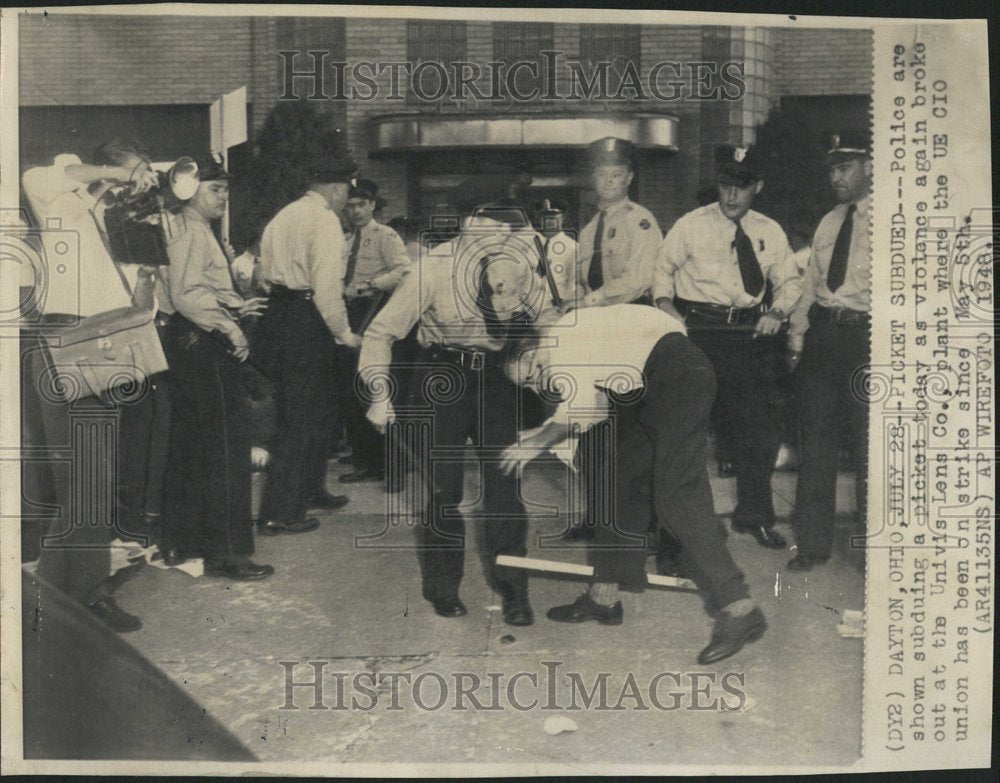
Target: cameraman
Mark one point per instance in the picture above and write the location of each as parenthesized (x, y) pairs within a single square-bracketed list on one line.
[(64, 197)]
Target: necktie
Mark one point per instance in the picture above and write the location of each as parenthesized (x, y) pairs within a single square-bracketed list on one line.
[(753, 278), (841, 250), (352, 259), (595, 275)]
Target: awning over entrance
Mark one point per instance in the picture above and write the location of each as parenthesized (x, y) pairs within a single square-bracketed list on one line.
[(397, 133)]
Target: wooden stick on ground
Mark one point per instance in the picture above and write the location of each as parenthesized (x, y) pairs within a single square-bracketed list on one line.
[(557, 567)]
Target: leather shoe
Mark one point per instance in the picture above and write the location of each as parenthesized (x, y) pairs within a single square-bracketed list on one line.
[(359, 475), (112, 615), (730, 634), (449, 607), (666, 566), (173, 557), (517, 610), (766, 536), (327, 501), (805, 562), (243, 570), (585, 608), (271, 527)]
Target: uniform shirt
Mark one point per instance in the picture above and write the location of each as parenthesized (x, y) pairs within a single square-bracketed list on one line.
[(631, 240), (697, 261), (199, 285), (854, 293), (80, 276), (302, 248), (601, 348), (382, 259), (440, 294)]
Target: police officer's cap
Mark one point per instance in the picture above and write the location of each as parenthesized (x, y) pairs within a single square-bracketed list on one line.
[(210, 167), (334, 161), (848, 145), (737, 165), (612, 151), (365, 189), (550, 206)]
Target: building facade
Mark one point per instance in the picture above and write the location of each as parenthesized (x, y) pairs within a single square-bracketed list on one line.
[(424, 129)]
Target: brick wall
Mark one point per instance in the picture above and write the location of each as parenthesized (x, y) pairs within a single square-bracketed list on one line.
[(823, 61), (98, 60), (381, 41)]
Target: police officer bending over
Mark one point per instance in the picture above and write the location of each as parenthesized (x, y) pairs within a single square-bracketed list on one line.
[(462, 385)]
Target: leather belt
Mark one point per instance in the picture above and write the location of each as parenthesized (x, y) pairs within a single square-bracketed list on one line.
[(838, 316), (283, 292), (720, 313), (464, 356)]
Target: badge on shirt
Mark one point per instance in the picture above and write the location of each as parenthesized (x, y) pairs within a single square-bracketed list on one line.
[(366, 242), (761, 245), (611, 233), (644, 224)]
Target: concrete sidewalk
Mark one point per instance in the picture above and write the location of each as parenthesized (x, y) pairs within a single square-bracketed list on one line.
[(346, 602)]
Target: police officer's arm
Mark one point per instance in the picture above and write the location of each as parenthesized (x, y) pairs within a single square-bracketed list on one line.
[(396, 258), (645, 242), (785, 277), (192, 297), (326, 269), (404, 308), (799, 320), (670, 257)]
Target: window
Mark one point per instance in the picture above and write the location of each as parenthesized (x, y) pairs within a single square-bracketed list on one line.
[(523, 42), (614, 43), (433, 41)]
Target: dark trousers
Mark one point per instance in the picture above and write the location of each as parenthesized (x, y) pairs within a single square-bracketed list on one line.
[(481, 404), (746, 414), (367, 444), (661, 449), (299, 355), (831, 356), (206, 486), (96, 459)]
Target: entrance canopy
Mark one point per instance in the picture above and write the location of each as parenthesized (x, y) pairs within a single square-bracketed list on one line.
[(400, 133)]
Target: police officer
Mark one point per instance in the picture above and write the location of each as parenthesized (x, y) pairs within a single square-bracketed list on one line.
[(462, 386), (376, 262), (301, 265), (711, 271), (206, 508), (829, 344), (617, 253), (618, 246)]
